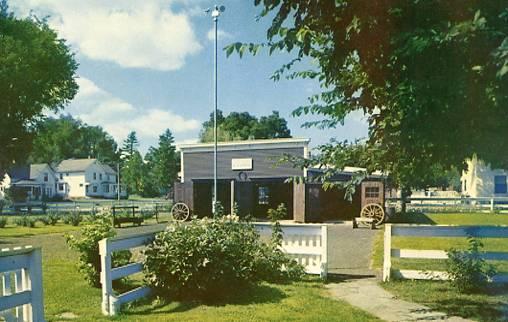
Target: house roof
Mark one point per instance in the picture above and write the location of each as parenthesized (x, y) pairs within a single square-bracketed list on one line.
[(36, 169), (19, 173), (108, 169), (75, 165)]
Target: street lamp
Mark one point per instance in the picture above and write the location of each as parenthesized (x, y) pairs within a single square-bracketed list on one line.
[(215, 12)]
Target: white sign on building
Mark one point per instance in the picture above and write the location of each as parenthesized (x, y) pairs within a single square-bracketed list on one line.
[(241, 164)]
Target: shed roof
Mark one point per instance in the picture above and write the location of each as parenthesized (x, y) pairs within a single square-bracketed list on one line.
[(245, 145)]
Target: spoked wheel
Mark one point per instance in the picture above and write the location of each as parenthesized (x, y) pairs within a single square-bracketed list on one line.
[(180, 211), (374, 211)]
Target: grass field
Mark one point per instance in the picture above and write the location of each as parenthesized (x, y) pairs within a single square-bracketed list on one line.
[(492, 306), (66, 292)]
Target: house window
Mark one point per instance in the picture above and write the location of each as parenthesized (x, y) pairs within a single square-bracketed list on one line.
[(465, 186), (100, 176), (95, 176), (67, 174), (61, 176), (61, 187), (81, 185), (263, 195), (108, 177), (371, 192), (106, 188), (500, 184), (94, 188), (46, 177)]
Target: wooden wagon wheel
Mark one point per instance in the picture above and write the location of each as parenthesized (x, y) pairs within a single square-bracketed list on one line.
[(180, 211), (374, 211)]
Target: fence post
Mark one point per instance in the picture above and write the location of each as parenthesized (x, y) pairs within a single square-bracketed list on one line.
[(492, 204), (106, 282), (387, 260), (324, 251), (32, 280)]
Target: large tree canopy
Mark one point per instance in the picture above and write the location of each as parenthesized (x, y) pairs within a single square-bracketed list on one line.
[(243, 126), (431, 76), (37, 75), (163, 165), (65, 137)]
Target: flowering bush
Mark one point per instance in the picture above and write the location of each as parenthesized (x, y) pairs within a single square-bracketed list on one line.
[(210, 259)]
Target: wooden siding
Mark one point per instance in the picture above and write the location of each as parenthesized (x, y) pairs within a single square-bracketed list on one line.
[(199, 165)]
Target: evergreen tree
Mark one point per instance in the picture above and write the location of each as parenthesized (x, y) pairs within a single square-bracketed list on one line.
[(163, 164), (130, 145)]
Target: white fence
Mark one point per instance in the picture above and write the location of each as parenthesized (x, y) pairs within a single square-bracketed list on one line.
[(21, 296), (436, 231), (305, 242), (487, 204)]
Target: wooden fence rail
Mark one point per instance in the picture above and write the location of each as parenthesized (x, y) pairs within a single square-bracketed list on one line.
[(306, 243), (436, 231), (21, 295), (488, 204)]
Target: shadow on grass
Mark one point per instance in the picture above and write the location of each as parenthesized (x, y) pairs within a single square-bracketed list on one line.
[(256, 294), (472, 309), (339, 278), (412, 218)]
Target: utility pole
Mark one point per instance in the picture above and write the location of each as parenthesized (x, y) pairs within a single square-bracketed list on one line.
[(118, 180)]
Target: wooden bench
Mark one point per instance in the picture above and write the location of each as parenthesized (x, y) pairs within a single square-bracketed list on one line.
[(118, 221), (369, 221), (19, 207)]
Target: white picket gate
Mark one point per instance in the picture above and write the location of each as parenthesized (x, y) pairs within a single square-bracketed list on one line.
[(21, 295), (410, 230), (307, 243)]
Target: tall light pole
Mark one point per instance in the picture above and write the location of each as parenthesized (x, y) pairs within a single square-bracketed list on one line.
[(216, 12)]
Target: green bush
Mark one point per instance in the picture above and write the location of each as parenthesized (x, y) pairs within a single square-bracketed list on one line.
[(88, 247), (468, 271), (73, 218), (25, 221), (52, 218), (3, 222), (211, 259), (43, 220)]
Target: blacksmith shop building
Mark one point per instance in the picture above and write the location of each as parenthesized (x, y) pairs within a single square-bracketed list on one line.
[(251, 175)]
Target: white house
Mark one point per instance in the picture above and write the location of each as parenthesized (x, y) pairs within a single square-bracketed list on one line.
[(481, 181), (80, 178), (38, 180)]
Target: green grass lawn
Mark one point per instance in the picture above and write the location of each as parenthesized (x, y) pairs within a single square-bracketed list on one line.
[(440, 295), (65, 291), (13, 231)]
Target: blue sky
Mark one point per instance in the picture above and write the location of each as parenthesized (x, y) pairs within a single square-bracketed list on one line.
[(147, 66)]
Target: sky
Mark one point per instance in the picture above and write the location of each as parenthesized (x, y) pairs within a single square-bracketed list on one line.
[(146, 66)]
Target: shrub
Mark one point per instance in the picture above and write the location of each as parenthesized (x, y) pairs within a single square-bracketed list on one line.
[(43, 220), (468, 271), (73, 218), (209, 259), (88, 247), (3, 222), (52, 218), (25, 221)]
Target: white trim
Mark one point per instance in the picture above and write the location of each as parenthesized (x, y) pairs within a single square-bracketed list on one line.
[(246, 145), (182, 173)]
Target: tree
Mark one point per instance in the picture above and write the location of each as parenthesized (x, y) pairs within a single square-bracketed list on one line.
[(244, 126), (133, 173), (37, 75), (431, 77), (65, 138), (130, 145), (163, 165)]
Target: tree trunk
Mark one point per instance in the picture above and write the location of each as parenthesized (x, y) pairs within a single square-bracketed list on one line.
[(404, 194)]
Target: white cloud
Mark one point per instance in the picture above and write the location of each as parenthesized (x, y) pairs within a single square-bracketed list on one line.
[(221, 35), (96, 106), (137, 34)]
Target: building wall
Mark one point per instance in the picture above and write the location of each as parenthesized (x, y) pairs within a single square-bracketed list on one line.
[(76, 184), (47, 186), (199, 165), (478, 180)]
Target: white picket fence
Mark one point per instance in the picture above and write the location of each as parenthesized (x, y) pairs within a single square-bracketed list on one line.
[(307, 243), (21, 295), (482, 204), (409, 230)]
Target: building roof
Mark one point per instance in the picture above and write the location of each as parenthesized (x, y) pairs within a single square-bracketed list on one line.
[(36, 169), (108, 169), (19, 173), (245, 145), (75, 165)]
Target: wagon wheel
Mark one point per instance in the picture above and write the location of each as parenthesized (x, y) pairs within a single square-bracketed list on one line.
[(374, 211), (180, 211)]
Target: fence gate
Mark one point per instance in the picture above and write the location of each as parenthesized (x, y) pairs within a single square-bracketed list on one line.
[(21, 296)]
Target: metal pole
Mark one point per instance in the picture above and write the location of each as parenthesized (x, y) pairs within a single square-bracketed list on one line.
[(215, 20), (118, 179)]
